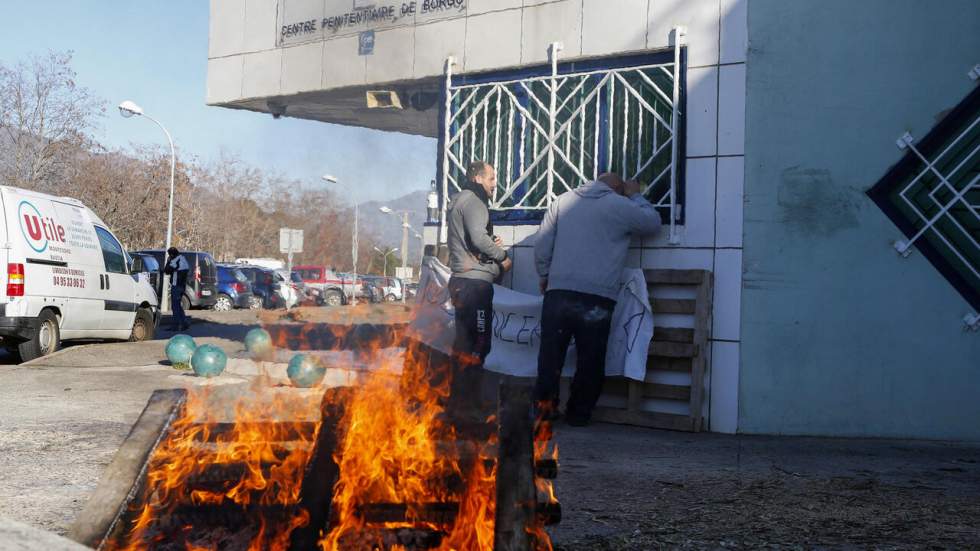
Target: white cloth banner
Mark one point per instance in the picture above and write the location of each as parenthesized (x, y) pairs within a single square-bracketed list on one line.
[(517, 325)]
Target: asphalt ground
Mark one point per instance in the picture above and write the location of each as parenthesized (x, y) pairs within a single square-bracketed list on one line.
[(62, 419)]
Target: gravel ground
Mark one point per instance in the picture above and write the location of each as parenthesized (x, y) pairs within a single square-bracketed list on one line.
[(621, 488)]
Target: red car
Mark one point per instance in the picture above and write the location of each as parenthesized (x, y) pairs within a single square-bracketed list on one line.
[(334, 289)]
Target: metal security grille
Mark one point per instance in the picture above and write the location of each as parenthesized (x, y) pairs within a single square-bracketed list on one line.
[(933, 194), (549, 133)]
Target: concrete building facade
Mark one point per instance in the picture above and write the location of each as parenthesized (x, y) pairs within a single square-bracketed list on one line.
[(759, 125)]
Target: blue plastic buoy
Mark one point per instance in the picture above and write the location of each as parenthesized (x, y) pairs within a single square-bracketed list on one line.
[(258, 342), (305, 371), (180, 348), (208, 361)]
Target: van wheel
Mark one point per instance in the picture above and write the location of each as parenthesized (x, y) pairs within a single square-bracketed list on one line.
[(185, 303), (143, 329), (223, 303), (391, 298), (255, 303), (334, 298), (46, 339)]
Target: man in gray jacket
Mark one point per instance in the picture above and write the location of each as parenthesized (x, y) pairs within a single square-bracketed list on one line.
[(580, 255), (476, 260)]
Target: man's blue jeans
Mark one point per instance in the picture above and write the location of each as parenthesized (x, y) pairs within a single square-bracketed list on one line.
[(179, 318)]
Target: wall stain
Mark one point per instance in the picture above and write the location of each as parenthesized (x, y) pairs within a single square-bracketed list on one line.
[(813, 204)]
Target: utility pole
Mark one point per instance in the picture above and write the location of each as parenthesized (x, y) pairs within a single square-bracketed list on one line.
[(405, 228)]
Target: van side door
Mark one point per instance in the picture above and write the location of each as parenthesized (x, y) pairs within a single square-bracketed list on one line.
[(116, 286)]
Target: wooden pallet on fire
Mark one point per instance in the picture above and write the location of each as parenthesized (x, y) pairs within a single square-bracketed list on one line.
[(673, 349), (108, 519)]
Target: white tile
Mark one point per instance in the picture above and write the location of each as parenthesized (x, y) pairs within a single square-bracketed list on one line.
[(731, 110), (678, 259), (394, 52), (300, 11), (611, 26), (700, 17), (724, 387), (476, 7), (699, 204), (225, 27), (547, 23), (525, 278), (224, 79), (437, 41), (535, 2), (493, 40), (726, 317), (702, 111), (260, 26), (301, 68), (506, 234), (341, 64), (525, 235), (734, 30), (262, 73), (730, 202)]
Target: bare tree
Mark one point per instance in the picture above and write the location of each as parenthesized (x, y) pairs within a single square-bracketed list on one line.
[(45, 118)]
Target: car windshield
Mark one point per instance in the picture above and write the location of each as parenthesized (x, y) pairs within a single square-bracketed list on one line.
[(296, 278), (239, 276)]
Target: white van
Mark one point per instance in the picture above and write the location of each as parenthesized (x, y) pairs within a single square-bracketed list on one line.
[(67, 277)]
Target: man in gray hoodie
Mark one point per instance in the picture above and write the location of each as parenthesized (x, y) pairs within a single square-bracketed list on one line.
[(476, 260), (580, 254)]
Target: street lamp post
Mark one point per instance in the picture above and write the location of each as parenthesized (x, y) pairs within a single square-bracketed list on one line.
[(128, 109), (405, 227), (353, 243), (385, 255)]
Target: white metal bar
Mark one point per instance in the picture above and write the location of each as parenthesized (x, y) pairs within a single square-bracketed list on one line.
[(441, 238), (626, 133), (662, 66), (673, 132), (956, 198)]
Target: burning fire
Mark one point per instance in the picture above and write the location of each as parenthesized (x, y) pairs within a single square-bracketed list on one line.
[(397, 449), (250, 461), (403, 469)]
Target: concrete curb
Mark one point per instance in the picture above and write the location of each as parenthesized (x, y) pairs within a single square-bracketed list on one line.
[(56, 353)]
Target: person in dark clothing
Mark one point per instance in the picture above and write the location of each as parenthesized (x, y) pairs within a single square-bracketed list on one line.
[(595, 222), (177, 268), (476, 260)]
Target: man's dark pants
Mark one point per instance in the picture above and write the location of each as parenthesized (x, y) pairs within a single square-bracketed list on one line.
[(587, 318), (473, 302), (179, 318)]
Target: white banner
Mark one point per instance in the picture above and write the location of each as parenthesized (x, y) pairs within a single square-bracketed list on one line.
[(517, 325)]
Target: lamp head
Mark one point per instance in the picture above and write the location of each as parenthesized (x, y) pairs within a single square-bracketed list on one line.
[(329, 178), (385, 210), (128, 109)]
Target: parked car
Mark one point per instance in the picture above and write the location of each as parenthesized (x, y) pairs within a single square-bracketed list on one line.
[(202, 281), (147, 264), (391, 287), (67, 277), (263, 285), (288, 290), (234, 290), (411, 290), (335, 289)]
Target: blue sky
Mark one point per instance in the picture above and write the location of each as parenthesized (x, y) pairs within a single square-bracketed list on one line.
[(155, 53)]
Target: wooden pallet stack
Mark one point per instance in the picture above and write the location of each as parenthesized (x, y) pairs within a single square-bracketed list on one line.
[(682, 349)]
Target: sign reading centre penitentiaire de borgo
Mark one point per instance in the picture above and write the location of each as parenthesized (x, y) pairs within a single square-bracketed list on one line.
[(308, 20)]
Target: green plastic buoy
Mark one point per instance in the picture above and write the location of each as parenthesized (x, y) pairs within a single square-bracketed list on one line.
[(208, 361), (180, 348), (305, 371), (258, 342)]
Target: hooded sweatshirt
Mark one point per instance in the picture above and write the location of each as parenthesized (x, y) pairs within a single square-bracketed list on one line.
[(472, 252), (582, 242)]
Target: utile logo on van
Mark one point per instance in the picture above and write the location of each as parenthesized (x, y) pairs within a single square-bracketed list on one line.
[(38, 230)]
